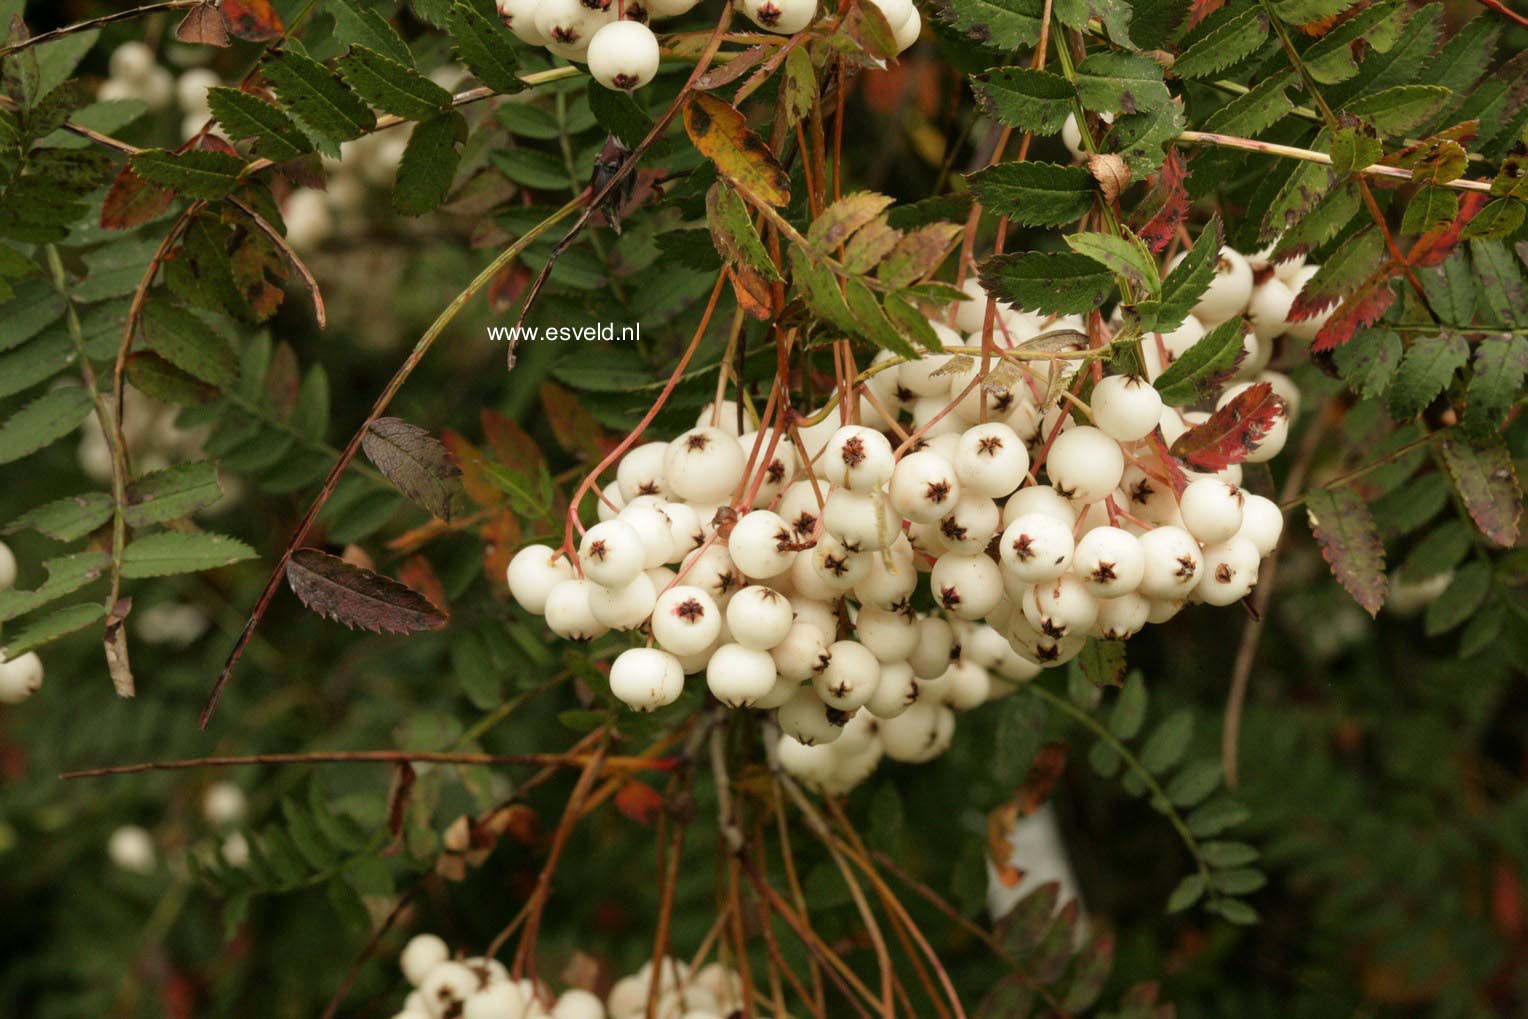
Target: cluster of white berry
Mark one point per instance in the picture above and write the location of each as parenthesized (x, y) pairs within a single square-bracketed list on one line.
[(799, 568), (21, 676), (482, 988), (612, 36)]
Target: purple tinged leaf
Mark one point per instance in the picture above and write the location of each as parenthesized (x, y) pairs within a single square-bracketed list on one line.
[(358, 597), (1484, 478), (1344, 528), (416, 462)]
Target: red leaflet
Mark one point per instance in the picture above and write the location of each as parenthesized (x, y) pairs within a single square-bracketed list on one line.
[(639, 801), (1168, 201), (1201, 9), (1174, 471), (133, 201), (1433, 247), (1359, 311), (1233, 431), (252, 20)]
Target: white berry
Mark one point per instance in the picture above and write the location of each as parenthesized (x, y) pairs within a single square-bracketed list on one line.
[(623, 55)]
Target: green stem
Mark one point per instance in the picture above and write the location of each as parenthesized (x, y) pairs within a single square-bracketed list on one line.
[(1159, 795), (104, 415), (1369, 468)]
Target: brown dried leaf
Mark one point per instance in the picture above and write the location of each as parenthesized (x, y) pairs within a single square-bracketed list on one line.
[(203, 25), (1112, 174), (358, 598), (416, 462), (398, 805)]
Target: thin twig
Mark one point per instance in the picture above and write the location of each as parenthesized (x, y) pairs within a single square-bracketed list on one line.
[(1227, 141), (105, 19), (573, 760)]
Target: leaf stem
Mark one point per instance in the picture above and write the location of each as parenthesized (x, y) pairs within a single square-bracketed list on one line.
[(1227, 141), (122, 679), (105, 19)]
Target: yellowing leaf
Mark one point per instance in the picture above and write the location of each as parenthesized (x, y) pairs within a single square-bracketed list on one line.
[(721, 134)]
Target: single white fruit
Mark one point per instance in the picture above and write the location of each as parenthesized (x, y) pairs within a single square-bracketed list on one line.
[(520, 17), (1040, 499), (897, 12), (623, 55), (421, 955), (496, 1001), (646, 678), (800, 654), (612, 554), (1262, 523), (1211, 509), (1125, 407), (447, 987), (1109, 561), (703, 465), (1230, 571), (890, 636), (640, 471), (568, 25), (919, 734), (850, 677), (737, 676), (1122, 617), (568, 613), (896, 691), (1084, 464), (861, 521), (836, 566), (991, 460), (1036, 548), (1269, 310), (576, 1003), (1061, 608), (968, 585), (1173, 564), (7, 566), (624, 607), (908, 34), (812, 764), (532, 574), (759, 617), (224, 804), (807, 719), (935, 650), (858, 458), (924, 486), (712, 570), (686, 620), (783, 17), (777, 473), (654, 529), (20, 677), (892, 579), (971, 525), (758, 543)]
